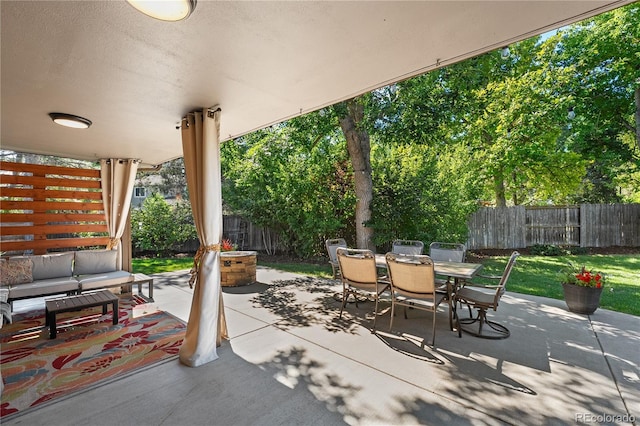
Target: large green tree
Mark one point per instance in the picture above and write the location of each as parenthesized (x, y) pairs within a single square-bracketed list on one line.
[(293, 178), (603, 55), (420, 193), (511, 117), (352, 119)]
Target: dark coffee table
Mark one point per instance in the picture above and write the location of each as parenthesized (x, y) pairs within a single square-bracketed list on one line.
[(76, 303)]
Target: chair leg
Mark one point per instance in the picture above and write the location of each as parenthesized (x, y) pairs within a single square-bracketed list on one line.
[(345, 295), (433, 337), (503, 332), (482, 316), (375, 316), (499, 330), (393, 310)]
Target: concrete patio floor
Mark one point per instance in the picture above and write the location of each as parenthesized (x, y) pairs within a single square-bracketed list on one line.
[(291, 360)]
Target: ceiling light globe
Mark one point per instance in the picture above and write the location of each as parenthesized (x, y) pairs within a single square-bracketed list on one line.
[(165, 10), (69, 120), (70, 123)]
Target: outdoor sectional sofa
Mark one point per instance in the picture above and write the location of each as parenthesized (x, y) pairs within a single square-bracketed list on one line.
[(68, 272)]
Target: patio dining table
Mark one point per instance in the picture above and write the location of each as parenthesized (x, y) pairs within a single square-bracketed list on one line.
[(455, 270)]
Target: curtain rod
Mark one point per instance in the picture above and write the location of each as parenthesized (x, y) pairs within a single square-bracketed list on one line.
[(210, 111), (122, 160)]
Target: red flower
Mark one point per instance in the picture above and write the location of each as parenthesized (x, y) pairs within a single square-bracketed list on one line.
[(226, 245), (582, 276)]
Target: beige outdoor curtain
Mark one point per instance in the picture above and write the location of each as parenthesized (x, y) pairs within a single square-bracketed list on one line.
[(201, 147), (117, 177)]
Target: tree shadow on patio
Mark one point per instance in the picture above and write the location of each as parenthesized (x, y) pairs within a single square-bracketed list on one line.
[(287, 300), (296, 370)]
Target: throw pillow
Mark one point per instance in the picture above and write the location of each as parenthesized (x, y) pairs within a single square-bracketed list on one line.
[(95, 262), (15, 271), (54, 265)]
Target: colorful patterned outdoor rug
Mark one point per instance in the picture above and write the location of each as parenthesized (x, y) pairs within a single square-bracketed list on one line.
[(88, 351)]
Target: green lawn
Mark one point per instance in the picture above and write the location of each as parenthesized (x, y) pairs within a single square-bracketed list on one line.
[(157, 265), (536, 275)]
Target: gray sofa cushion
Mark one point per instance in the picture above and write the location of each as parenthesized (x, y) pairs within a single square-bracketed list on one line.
[(43, 287), (107, 279), (95, 262), (54, 265)]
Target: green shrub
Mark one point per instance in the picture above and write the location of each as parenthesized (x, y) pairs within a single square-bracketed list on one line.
[(159, 227), (304, 195), (546, 250), (578, 250)]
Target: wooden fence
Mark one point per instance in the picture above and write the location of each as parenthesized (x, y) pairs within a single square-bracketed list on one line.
[(586, 225), (50, 207), (248, 236), (242, 233)]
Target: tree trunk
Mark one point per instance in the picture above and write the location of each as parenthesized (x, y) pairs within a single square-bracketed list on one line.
[(498, 184), (637, 97), (514, 197), (351, 115)]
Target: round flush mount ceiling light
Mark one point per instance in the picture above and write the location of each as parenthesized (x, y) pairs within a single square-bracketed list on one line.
[(69, 120), (165, 10)]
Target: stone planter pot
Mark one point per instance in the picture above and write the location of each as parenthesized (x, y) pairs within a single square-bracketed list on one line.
[(581, 300)]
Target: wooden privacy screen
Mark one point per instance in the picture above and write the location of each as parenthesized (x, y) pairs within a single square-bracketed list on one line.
[(50, 207)]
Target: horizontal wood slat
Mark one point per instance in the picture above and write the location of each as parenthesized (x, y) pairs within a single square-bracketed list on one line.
[(53, 229), (48, 170), (51, 205), (48, 182), (46, 207), (51, 217), (53, 244), (50, 194)]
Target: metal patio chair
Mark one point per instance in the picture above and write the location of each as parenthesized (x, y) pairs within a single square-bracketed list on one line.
[(412, 280), (484, 297), (360, 275), (332, 245), (407, 247), (447, 252)]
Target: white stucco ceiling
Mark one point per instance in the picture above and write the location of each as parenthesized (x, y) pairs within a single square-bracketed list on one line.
[(261, 62)]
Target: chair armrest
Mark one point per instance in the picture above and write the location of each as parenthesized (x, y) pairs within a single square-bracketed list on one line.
[(491, 277), (466, 283), (483, 286)]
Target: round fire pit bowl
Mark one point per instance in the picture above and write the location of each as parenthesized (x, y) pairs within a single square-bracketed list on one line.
[(237, 268)]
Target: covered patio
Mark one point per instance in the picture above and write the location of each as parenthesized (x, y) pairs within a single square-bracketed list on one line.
[(290, 360)]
